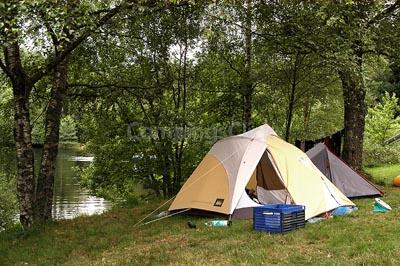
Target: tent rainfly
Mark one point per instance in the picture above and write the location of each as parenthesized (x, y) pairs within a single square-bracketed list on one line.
[(259, 161), (348, 181)]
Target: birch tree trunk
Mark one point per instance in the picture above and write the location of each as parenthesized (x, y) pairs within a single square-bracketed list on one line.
[(22, 134), (45, 182)]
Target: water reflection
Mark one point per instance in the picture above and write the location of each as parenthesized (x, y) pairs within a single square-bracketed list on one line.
[(70, 199)]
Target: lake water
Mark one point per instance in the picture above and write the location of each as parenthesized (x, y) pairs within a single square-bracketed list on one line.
[(70, 199)]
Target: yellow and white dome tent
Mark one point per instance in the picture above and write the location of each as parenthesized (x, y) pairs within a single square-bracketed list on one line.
[(257, 160)]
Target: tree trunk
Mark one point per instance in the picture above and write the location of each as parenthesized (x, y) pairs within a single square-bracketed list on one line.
[(45, 183), (22, 135), (289, 116), (306, 120), (164, 152), (22, 85), (247, 79), (247, 110), (354, 115), (25, 161), (180, 138), (292, 94)]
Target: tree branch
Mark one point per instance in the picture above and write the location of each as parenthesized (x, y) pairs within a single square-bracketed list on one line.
[(58, 58), (231, 64), (392, 8), (51, 32), (117, 86)]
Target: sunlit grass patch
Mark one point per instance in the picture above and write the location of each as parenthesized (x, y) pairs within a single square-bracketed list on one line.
[(384, 174)]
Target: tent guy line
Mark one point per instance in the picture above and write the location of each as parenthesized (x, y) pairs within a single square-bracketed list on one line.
[(159, 207), (268, 169), (164, 217)]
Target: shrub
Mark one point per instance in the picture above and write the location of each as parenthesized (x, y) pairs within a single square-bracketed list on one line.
[(68, 129), (382, 123), (375, 154), (126, 194)]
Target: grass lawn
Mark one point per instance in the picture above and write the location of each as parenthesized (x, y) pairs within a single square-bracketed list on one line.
[(363, 237), (384, 174)]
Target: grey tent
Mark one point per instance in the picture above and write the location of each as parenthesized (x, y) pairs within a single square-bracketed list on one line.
[(340, 174)]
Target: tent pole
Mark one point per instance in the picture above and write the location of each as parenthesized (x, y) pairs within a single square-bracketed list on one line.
[(230, 220)]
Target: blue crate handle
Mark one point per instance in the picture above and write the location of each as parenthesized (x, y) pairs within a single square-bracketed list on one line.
[(282, 208), (271, 213)]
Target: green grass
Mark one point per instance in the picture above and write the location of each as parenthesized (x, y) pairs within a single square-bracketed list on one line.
[(384, 174), (363, 237)]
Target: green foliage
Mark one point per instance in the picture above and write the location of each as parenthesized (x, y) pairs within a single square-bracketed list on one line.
[(68, 132), (317, 109), (137, 72), (125, 194), (378, 79), (6, 116), (179, 75), (382, 122), (8, 202), (68, 129), (376, 154), (38, 132), (134, 130)]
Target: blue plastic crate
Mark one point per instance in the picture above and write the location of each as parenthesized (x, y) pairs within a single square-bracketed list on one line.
[(278, 218)]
